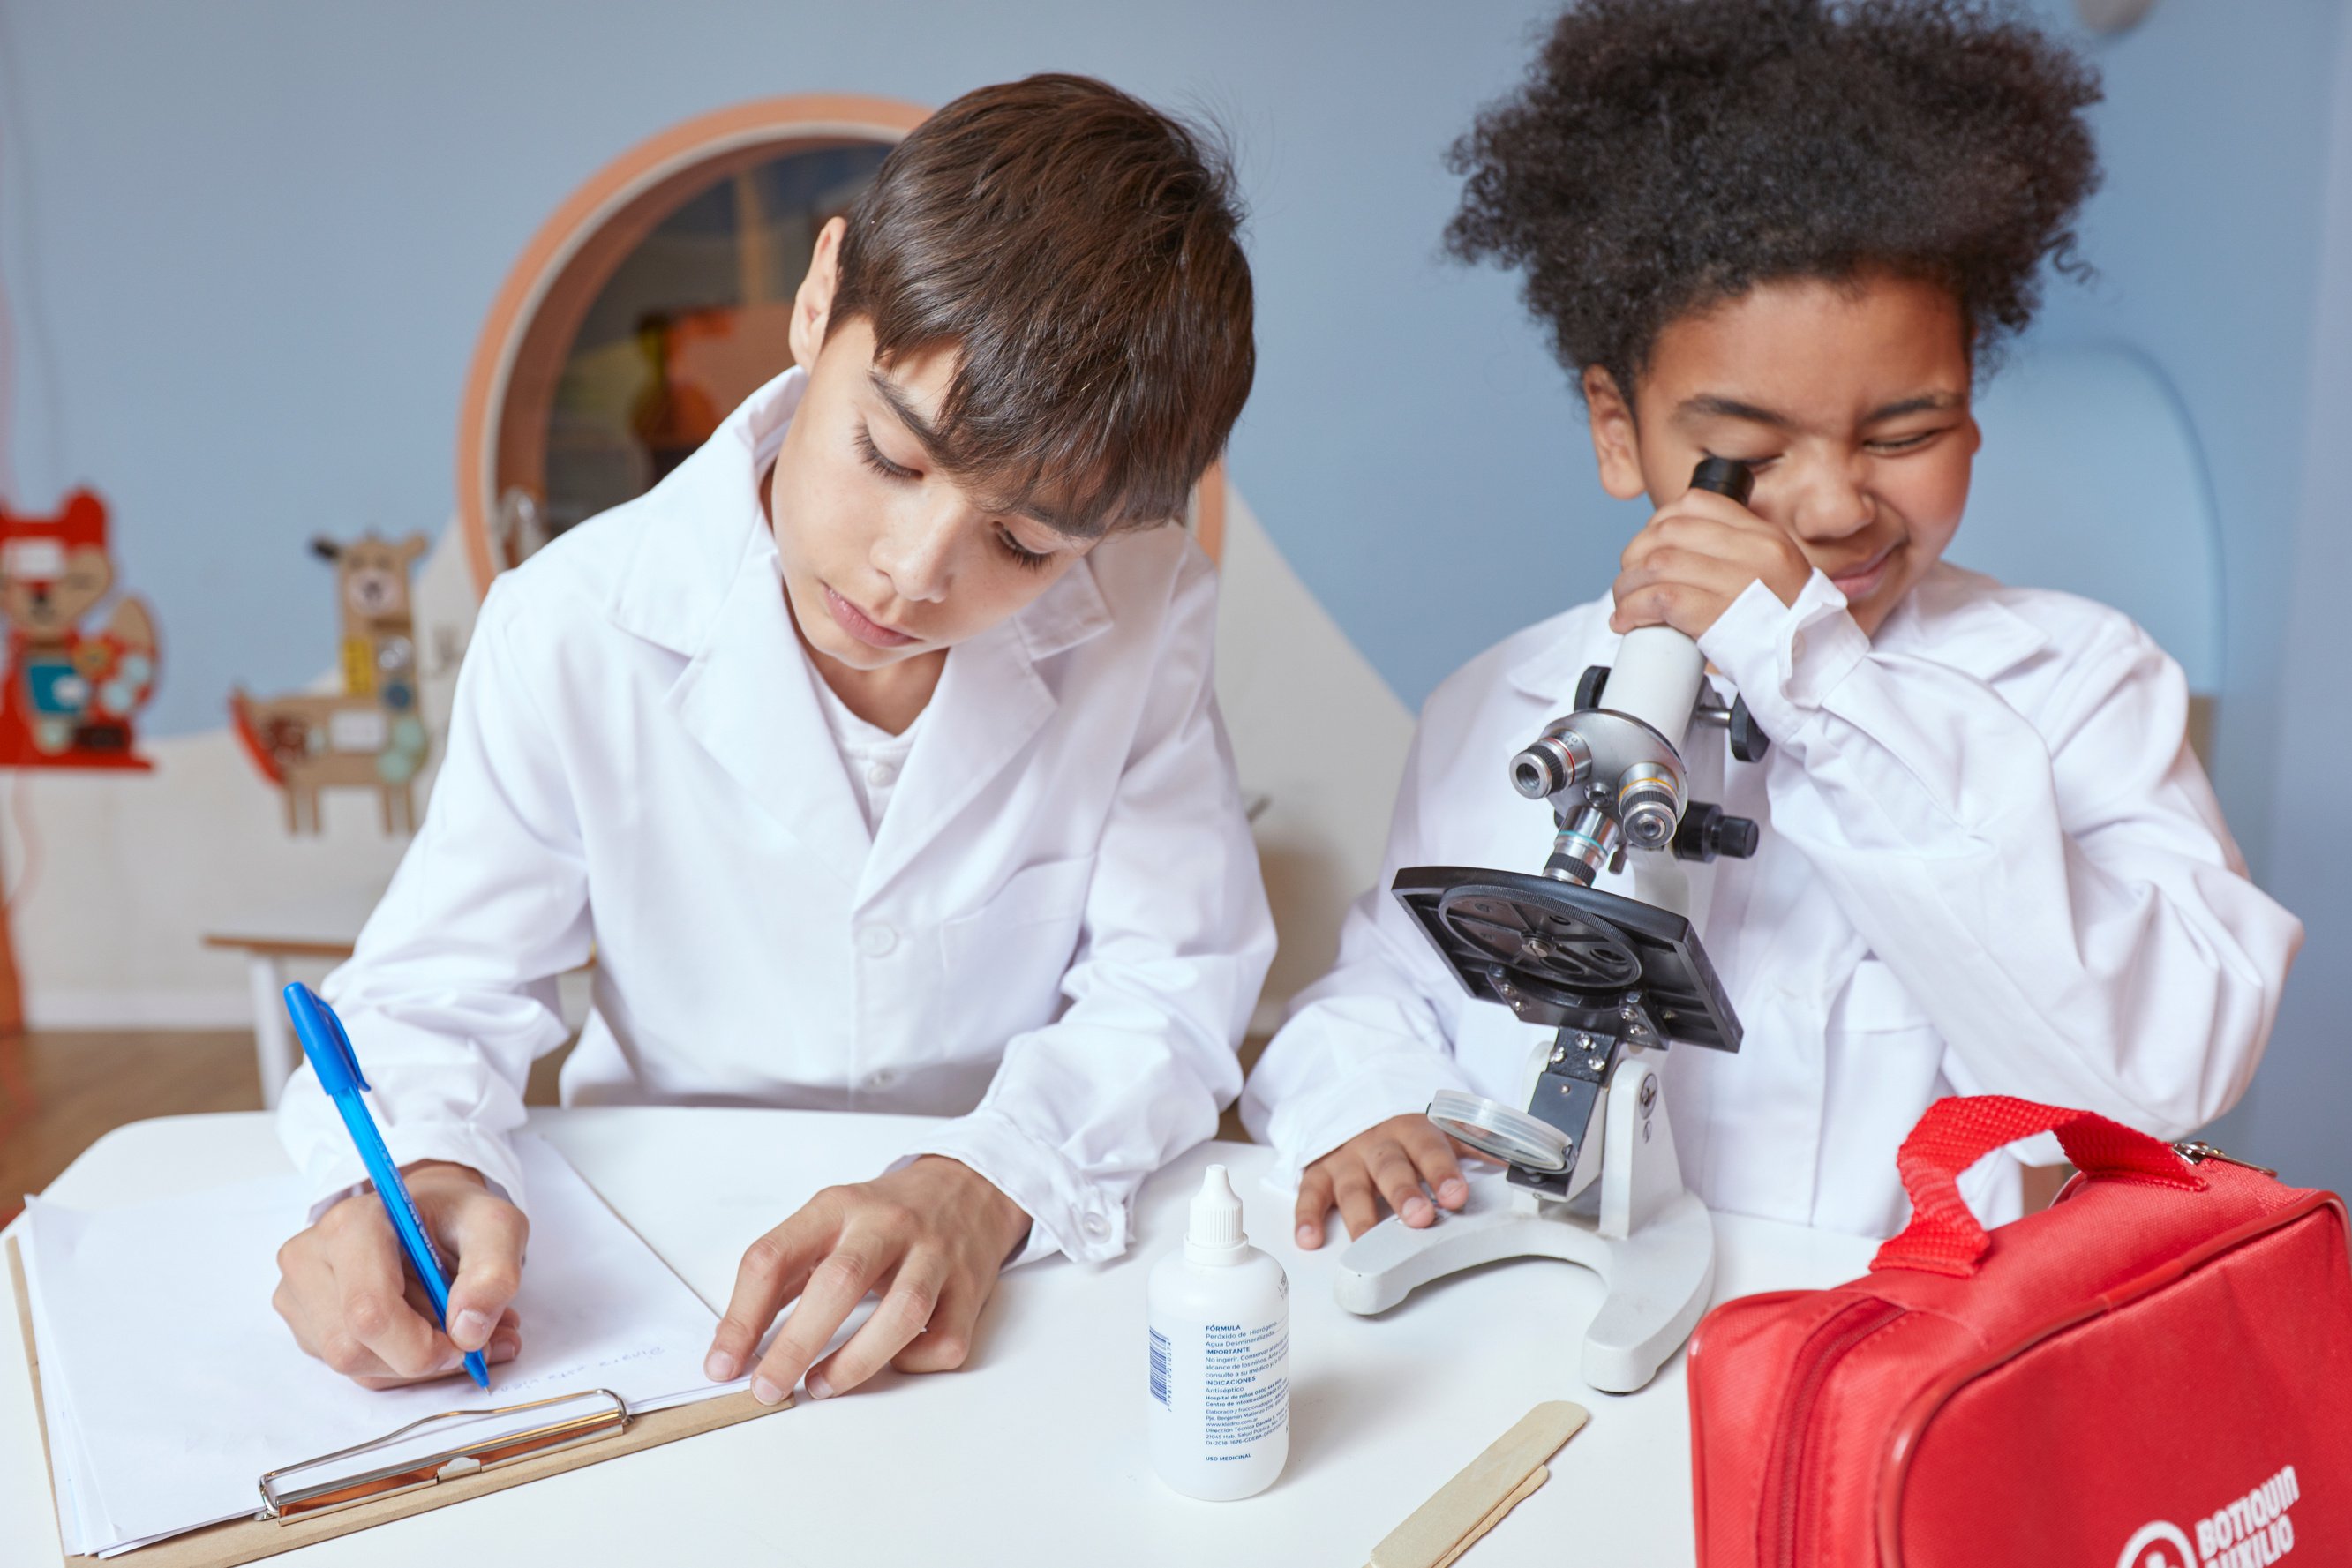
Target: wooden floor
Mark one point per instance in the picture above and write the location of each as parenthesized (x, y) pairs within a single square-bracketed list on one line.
[(60, 1091)]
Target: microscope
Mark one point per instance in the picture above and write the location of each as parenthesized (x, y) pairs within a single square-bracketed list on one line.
[(1592, 1176)]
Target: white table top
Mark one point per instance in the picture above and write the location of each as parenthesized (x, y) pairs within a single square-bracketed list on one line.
[(323, 918), (1035, 1453)]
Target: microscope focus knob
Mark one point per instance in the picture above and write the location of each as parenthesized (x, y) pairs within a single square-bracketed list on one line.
[(1707, 832), (1737, 837), (1749, 742)]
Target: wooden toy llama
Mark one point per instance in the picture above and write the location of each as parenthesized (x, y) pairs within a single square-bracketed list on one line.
[(370, 735)]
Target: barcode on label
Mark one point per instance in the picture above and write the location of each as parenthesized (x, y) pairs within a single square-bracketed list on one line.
[(1160, 1349)]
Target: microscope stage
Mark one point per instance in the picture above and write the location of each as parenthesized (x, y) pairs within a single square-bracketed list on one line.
[(1562, 955)]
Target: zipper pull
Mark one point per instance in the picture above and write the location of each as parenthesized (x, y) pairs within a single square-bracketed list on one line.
[(2197, 1151)]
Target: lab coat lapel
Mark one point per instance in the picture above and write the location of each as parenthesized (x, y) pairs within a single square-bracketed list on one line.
[(1550, 674), (991, 704), (1956, 618), (747, 699)]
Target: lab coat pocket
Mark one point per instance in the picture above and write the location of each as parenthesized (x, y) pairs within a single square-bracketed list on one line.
[(1005, 960)]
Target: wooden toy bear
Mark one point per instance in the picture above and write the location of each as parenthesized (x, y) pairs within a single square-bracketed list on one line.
[(68, 695)]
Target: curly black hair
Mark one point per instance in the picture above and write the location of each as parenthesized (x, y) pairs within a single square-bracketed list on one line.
[(1667, 155)]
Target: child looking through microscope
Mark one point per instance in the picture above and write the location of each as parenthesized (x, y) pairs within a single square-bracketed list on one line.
[(1792, 234)]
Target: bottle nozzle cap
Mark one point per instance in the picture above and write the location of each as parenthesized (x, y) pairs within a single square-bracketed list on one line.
[(1216, 1224)]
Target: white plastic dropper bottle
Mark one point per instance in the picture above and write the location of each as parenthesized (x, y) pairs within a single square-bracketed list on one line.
[(1220, 1325)]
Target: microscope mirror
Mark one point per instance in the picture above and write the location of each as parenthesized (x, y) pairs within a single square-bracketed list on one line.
[(1499, 1131)]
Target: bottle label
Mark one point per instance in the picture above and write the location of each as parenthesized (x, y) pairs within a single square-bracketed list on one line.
[(1244, 1387)]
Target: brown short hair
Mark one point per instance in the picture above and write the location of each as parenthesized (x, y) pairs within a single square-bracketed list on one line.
[(1079, 249)]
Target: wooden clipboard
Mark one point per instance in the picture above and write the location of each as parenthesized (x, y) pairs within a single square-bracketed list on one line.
[(248, 1540)]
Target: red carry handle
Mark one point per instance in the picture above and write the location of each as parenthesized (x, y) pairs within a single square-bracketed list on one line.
[(1943, 1237)]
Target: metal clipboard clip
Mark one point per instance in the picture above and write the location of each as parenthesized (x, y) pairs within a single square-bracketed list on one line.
[(420, 1458)]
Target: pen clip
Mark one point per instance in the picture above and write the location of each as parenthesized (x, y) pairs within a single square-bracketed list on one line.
[(324, 1042)]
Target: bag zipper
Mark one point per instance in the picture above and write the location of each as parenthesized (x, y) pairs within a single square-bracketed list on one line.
[(2197, 1151), (1827, 1346)]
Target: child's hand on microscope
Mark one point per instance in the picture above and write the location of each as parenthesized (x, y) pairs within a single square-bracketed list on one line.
[(1695, 556), (1392, 1161)]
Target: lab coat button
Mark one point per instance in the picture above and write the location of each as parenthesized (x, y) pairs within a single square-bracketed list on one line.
[(880, 775), (874, 941), (1096, 1227)]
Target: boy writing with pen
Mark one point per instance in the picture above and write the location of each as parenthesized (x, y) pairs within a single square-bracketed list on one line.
[(875, 752)]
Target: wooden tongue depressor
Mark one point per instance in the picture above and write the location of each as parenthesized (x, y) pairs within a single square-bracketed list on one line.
[(1526, 1490), (1469, 1505)]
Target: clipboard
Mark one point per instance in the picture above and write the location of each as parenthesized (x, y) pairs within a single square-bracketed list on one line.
[(313, 1519)]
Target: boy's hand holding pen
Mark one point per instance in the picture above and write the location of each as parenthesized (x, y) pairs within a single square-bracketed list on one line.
[(351, 1301)]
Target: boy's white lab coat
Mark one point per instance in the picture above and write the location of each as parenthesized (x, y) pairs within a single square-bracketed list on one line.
[(1055, 938), (1989, 865)]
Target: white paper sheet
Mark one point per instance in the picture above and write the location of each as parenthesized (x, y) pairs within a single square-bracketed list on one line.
[(174, 1385)]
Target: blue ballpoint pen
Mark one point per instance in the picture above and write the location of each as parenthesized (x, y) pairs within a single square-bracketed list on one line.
[(331, 1058)]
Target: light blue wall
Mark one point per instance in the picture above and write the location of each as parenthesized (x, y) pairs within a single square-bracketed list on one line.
[(248, 246)]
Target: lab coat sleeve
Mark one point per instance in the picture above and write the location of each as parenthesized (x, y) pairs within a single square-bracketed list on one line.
[(450, 992), (1370, 1039), (1175, 944), (2058, 893)]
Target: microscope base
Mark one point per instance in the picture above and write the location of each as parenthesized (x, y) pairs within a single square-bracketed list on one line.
[(1659, 1278), (1649, 1239)]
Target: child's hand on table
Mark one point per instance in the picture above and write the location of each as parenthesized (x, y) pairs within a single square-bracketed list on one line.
[(1697, 555), (929, 1238), (1393, 1160), (346, 1291)]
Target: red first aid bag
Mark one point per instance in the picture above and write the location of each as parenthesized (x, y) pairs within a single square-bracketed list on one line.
[(2156, 1372)]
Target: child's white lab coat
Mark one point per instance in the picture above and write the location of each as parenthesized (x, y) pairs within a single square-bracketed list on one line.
[(1989, 865), (1055, 937)]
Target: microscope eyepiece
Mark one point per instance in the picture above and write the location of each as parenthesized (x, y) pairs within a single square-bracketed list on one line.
[(1725, 476)]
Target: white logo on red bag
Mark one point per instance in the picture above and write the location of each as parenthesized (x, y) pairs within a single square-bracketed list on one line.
[(2146, 1548), (2253, 1532)]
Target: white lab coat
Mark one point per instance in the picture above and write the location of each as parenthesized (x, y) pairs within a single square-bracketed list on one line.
[(1056, 937), (1990, 864)]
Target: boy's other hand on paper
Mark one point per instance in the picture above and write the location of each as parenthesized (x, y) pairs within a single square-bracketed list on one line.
[(1392, 1161), (348, 1294), (929, 1238), (1695, 556)]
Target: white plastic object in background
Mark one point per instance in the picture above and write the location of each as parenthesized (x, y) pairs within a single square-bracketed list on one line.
[(2111, 16), (2098, 434), (1219, 1329)]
